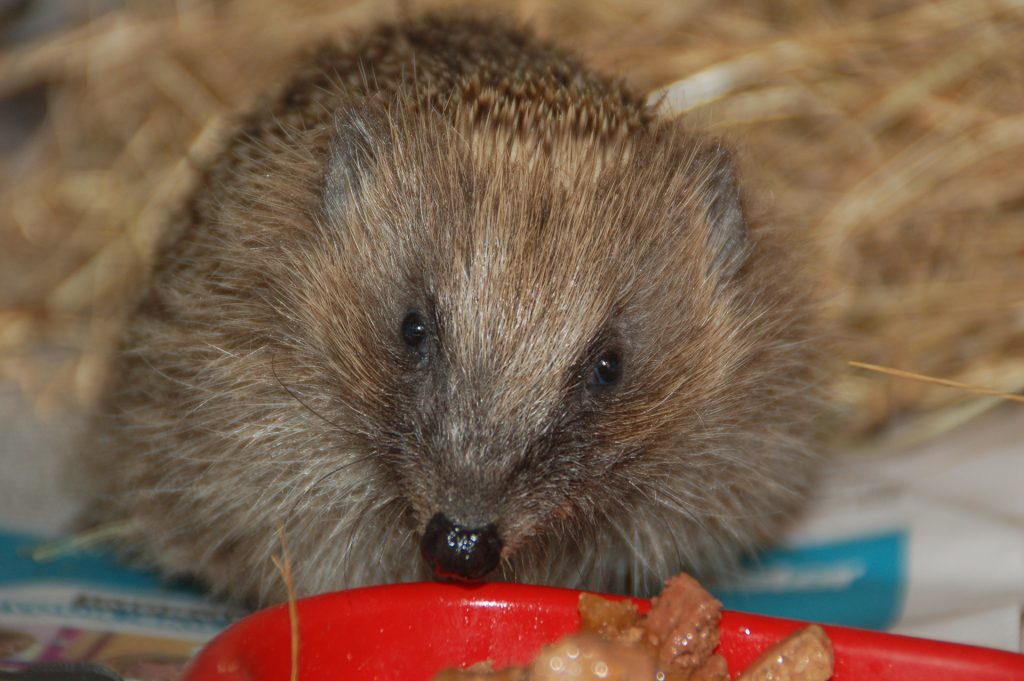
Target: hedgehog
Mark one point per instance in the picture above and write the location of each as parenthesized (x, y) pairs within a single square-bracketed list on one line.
[(450, 304)]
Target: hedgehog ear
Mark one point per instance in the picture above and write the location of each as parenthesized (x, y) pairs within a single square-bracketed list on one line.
[(361, 134), (727, 227)]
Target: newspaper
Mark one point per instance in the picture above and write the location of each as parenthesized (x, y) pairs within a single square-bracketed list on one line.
[(85, 607)]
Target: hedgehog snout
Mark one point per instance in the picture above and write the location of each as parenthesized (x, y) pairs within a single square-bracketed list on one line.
[(457, 552)]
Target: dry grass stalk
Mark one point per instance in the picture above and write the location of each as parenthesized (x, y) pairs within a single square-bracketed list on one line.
[(284, 567), (888, 131), (981, 390)]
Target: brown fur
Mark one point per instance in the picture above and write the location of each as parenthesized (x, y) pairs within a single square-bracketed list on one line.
[(536, 213)]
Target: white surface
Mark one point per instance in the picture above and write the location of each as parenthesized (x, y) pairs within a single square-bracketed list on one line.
[(961, 500), (35, 492)]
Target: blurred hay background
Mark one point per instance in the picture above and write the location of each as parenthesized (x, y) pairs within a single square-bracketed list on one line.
[(890, 132)]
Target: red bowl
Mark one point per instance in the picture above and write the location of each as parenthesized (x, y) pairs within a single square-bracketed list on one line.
[(407, 632)]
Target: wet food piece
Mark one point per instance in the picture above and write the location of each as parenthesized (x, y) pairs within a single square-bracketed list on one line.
[(615, 620), (805, 655), (682, 625), (589, 657)]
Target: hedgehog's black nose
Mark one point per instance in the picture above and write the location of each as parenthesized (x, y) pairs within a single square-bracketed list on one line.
[(455, 551)]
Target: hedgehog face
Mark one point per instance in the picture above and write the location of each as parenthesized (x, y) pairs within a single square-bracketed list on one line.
[(551, 334)]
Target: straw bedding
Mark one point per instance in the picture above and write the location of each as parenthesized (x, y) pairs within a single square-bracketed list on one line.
[(890, 133)]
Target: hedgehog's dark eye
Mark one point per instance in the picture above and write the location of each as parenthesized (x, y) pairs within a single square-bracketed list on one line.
[(607, 369), (414, 331)]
